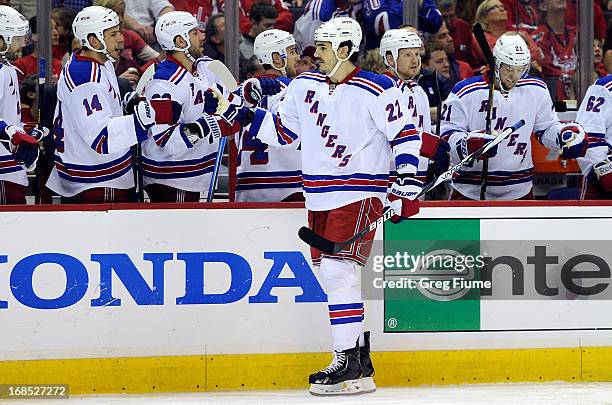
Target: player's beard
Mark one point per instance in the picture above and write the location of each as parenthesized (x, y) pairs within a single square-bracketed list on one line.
[(196, 51)]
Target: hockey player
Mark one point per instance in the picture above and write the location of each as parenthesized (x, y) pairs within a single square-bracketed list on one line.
[(267, 173), (516, 97), (344, 119), (178, 160), (18, 149), (400, 50), (92, 137), (595, 116), (176, 165)]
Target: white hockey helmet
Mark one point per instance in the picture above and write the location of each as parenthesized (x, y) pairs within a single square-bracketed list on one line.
[(12, 25), (396, 39), (173, 24), (511, 50), (339, 30), (273, 41), (94, 20)]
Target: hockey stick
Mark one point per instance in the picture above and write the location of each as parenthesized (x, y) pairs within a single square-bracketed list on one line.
[(140, 86), (228, 80), (330, 247), (486, 51), (40, 167)]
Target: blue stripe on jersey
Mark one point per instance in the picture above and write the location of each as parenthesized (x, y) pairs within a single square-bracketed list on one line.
[(377, 79), (340, 321), (494, 178), (100, 144), (178, 169), (467, 82), (270, 174), (3, 125), (9, 165), (597, 139), (94, 173), (184, 138), (531, 82), (317, 77), (603, 81), (329, 189), (363, 87), (406, 159), (258, 118)]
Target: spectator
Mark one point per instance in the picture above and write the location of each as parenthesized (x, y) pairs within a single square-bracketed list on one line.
[(63, 18), (522, 14), (29, 107), (600, 68), (557, 43), (263, 18), (284, 21), (608, 48), (215, 38), (253, 68), (316, 12), (209, 7), (75, 5), (436, 59), (136, 52), (142, 14), (28, 65), (458, 70), (373, 62), (459, 29), (382, 15), (599, 21), (493, 17), (307, 61), (466, 9)]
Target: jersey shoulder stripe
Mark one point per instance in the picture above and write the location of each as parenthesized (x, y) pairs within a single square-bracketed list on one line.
[(318, 77), (170, 71), (383, 82), (78, 72), (605, 82), (470, 85), (284, 80), (531, 81)]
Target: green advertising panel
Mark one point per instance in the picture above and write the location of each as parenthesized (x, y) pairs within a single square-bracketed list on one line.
[(432, 295)]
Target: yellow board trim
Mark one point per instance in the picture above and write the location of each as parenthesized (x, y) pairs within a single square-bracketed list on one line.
[(278, 371)]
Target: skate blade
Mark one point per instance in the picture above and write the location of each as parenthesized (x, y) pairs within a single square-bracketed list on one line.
[(348, 387), (367, 384)]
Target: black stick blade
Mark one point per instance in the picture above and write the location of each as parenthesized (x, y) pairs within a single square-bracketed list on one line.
[(315, 240)]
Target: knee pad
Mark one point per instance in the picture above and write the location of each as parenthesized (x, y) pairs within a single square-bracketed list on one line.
[(335, 274)]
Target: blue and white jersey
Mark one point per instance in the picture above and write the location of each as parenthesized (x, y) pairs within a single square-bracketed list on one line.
[(595, 116), (417, 104), (10, 114), (169, 157), (510, 172), (267, 173), (344, 131), (92, 137)]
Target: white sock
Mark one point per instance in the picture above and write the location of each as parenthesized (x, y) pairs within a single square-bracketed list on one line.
[(340, 281)]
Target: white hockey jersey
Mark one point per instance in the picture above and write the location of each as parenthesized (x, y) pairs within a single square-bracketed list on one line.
[(510, 174), (416, 101), (92, 137), (10, 114), (595, 116), (169, 157), (266, 173), (344, 131)]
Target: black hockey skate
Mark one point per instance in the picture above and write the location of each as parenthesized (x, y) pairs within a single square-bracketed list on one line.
[(367, 368), (342, 376)]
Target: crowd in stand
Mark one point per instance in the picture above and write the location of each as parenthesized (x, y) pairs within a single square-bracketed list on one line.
[(450, 52)]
